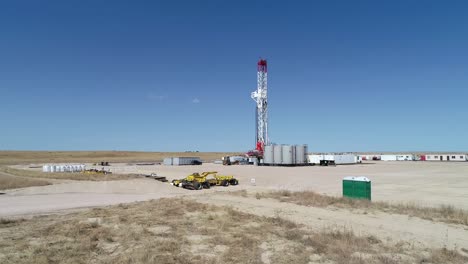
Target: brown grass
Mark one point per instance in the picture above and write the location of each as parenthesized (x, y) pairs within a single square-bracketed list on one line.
[(182, 231), (444, 213), (9, 222), (28, 157), (64, 176), (13, 182)]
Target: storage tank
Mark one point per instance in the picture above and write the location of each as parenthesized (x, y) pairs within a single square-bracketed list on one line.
[(45, 168), (288, 154), (268, 155), (294, 154), (277, 154), (300, 154)]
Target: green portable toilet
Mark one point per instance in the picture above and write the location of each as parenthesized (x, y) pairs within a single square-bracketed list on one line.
[(357, 187)]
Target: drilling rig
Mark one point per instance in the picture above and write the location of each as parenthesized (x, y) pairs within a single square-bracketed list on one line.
[(260, 96)]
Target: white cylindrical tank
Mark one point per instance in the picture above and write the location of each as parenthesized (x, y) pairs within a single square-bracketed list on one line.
[(300, 155), (45, 168), (268, 155), (288, 155), (277, 154), (294, 154)]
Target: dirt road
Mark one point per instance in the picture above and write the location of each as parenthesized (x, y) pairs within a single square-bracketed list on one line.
[(80, 194)]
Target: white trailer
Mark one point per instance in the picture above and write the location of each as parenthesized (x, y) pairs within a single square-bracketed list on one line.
[(357, 159), (405, 157), (314, 158), (446, 157), (345, 159), (388, 157), (336, 158), (369, 157)]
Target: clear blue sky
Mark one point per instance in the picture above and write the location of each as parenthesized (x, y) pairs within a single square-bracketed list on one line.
[(177, 75)]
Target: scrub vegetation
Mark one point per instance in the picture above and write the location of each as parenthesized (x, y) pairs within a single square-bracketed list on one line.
[(444, 213), (181, 231)]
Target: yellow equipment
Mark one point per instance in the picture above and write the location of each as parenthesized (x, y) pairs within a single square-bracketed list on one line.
[(196, 181)]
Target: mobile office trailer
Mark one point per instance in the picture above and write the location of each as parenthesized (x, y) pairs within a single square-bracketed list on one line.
[(388, 157), (446, 157), (333, 158), (345, 159), (405, 157)]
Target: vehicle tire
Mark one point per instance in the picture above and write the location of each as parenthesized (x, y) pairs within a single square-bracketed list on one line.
[(188, 186), (234, 182), (206, 185), (225, 183), (197, 186)]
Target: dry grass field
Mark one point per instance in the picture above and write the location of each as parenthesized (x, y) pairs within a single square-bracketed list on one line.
[(30, 157), (64, 175), (12, 182), (444, 213), (182, 231), (11, 178)]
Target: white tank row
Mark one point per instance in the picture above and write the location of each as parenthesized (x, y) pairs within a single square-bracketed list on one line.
[(64, 168), (285, 154)]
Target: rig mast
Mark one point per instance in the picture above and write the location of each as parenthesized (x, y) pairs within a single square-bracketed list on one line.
[(260, 97)]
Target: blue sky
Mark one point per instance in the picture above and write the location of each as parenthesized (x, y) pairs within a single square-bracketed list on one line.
[(177, 75)]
